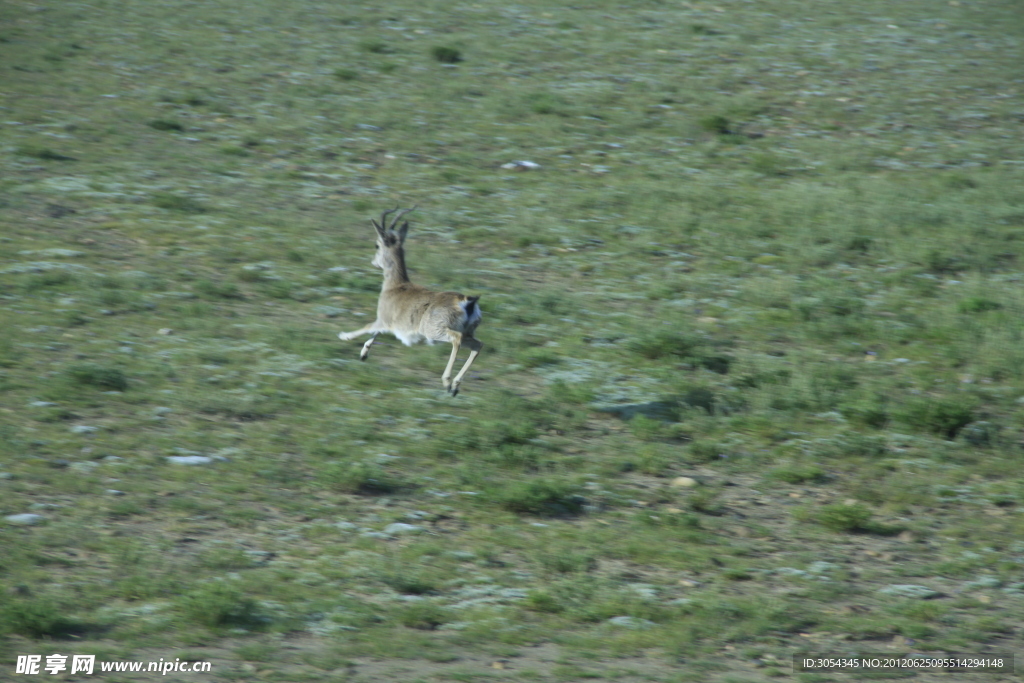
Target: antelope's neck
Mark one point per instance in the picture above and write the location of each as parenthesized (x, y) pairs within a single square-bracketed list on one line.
[(394, 272)]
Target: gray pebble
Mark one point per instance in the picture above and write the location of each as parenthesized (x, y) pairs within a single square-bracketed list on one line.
[(189, 459), (908, 590), (631, 622), (26, 519)]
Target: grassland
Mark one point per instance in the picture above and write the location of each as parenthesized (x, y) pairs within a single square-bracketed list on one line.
[(753, 381)]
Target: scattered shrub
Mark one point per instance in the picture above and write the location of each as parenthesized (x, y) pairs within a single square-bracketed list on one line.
[(446, 54), (699, 397), (866, 413), (841, 517), (218, 290), (378, 47), (577, 394), (43, 153), (235, 150), (665, 343), (542, 601), (701, 451), (705, 501), (364, 478), (37, 618), (717, 124), (978, 304), (768, 164), (101, 377), (423, 615), (944, 416), (981, 433), (567, 562), (408, 581), (222, 605), (176, 202), (164, 124), (543, 497), (52, 278), (647, 429), (798, 474), (546, 103), (960, 182)]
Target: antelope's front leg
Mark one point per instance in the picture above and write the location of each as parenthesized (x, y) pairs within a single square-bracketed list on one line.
[(446, 378), (474, 350)]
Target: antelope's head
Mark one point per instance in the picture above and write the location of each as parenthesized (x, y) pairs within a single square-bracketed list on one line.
[(389, 240)]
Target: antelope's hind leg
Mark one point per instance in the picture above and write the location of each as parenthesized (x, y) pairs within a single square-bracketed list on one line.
[(372, 329), (474, 350), (366, 347), (446, 378), (348, 336)]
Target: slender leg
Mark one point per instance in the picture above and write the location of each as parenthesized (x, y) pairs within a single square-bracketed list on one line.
[(366, 347), (446, 378), (474, 350), (346, 336)]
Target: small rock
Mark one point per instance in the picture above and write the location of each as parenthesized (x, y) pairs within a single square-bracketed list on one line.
[(42, 404), (685, 482), (260, 556), (400, 528), (644, 590), (26, 519), (115, 492), (84, 429), (346, 526), (6, 475), (463, 555), (189, 459), (791, 571), (631, 622), (165, 331), (908, 590), (521, 166), (54, 253), (329, 311)]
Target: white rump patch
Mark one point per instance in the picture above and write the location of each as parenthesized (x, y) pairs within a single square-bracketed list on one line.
[(408, 338)]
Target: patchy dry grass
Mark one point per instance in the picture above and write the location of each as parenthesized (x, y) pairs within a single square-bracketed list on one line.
[(753, 373)]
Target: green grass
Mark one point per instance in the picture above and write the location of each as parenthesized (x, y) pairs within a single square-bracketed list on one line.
[(772, 253)]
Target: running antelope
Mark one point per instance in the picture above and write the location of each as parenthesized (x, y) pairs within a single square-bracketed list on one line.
[(413, 313)]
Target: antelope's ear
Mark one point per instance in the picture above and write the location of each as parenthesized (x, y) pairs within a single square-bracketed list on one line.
[(402, 232), (380, 230)]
